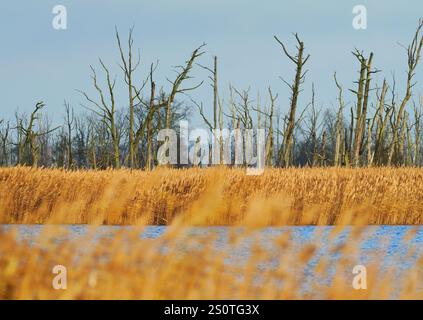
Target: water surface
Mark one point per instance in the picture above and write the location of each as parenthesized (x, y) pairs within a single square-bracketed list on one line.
[(391, 247)]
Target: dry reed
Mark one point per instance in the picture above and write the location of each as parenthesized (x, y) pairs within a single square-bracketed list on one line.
[(224, 196)]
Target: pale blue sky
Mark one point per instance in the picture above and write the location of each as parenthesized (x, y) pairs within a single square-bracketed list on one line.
[(40, 63)]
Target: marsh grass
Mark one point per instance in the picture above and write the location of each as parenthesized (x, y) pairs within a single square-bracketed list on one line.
[(214, 196)]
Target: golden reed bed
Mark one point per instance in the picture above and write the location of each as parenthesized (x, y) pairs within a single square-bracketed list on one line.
[(214, 196)]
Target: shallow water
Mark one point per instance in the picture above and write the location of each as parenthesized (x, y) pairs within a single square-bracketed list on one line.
[(391, 247), (389, 240)]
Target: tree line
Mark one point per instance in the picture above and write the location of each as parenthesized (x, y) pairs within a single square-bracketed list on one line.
[(380, 128)]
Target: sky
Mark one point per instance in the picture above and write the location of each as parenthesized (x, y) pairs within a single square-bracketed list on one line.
[(39, 63)]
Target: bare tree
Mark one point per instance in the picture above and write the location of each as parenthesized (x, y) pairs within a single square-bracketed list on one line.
[(30, 144), (413, 54), (129, 66), (362, 94), (69, 122), (269, 118), (418, 113), (382, 116), (323, 157), (149, 121), (339, 124), (106, 110), (81, 141), (182, 75), (299, 62), (217, 107), (4, 139), (312, 130)]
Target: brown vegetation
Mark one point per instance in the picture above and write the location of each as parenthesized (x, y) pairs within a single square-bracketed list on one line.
[(214, 196)]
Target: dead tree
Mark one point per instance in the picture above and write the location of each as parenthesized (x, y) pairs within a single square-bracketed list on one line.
[(4, 138), (19, 139), (245, 119), (30, 136), (413, 54), (45, 139), (145, 127), (106, 110), (402, 139), (182, 75), (312, 129), (241, 119), (213, 78), (209, 125), (81, 142), (339, 125), (278, 136), (299, 62), (217, 107), (269, 118), (418, 113), (91, 145), (243, 108), (362, 94), (322, 155), (149, 125), (70, 122), (409, 143), (381, 118), (349, 136), (129, 66), (270, 138), (370, 155), (149, 121)]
